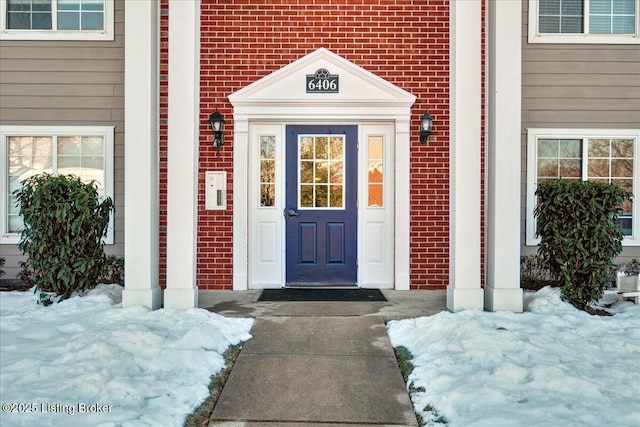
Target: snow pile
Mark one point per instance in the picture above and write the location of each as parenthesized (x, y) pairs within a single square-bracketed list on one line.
[(552, 365), (89, 362)]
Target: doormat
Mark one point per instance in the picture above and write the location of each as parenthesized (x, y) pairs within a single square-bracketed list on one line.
[(297, 294)]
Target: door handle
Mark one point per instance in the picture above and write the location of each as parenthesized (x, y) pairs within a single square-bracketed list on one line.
[(291, 212)]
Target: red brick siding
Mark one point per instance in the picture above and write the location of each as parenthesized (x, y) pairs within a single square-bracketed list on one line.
[(405, 42), (483, 146), (162, 154)]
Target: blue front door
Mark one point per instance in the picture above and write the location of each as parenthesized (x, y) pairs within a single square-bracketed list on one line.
[(321, 211)]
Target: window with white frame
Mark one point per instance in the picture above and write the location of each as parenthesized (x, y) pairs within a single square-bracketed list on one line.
[(584, 21), (86, 152), (56, 19), (603, 155)]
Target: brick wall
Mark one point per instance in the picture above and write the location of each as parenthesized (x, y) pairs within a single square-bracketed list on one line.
[(403, 41), (162, 154)]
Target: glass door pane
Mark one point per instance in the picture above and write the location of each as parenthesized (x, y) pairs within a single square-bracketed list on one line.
[(321, 171)]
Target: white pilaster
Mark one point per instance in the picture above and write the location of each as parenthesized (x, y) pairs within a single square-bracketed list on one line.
[(141, 155), (402, 213), (240, 200), (502, 288), (182, 153), (464, 290)]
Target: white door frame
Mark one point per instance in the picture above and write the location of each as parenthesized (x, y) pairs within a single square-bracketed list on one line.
[(266, 225)]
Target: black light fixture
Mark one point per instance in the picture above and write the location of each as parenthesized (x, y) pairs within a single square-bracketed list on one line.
[(426, 124), (217, 124)]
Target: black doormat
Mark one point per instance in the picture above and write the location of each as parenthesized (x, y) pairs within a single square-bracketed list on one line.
[(310, 294)]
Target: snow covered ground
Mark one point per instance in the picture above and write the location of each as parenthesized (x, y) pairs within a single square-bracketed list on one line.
[(88, 362), (550, 366)]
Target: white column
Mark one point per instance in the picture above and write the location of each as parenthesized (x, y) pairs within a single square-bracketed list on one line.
[(141, 155), (402, 206), (240, 200), (502, 288), (464, 290), (182, 153)]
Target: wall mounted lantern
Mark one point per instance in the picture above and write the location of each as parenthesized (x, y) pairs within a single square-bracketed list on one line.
[(217, 124), (426, 124)]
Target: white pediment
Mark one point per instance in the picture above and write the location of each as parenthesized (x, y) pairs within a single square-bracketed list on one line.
[(288, 85)]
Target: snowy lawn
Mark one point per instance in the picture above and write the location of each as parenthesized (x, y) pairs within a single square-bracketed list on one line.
[(550, 366), (89, 362)]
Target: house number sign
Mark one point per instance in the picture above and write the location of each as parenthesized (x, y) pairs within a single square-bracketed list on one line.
[(323, 82)]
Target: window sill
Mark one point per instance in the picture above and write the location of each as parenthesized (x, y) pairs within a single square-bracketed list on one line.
[(584, 38), (627, 242), (9, 239), (14, 239), (56, 35)]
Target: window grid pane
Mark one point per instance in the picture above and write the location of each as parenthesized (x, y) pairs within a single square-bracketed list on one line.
[(71, 15), (612, 17), (561, 16), (559, 159), (611, 161), (80, 15), (604, 17), (29, 15), (91, 20), (376, 172), (321, 171), (267, 170), (76, 155), (608, 161), (82, 156), (27, 156), (68, 21)]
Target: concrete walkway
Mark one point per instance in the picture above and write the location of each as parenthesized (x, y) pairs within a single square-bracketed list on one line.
[(317, 364), (322, 370)]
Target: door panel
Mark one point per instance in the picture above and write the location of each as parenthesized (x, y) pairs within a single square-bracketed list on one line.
[(308, 243), (335, 243), (320, 212)]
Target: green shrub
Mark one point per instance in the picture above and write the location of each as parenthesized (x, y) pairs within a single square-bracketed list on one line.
[(113, 270), (64, 224), (579, 235), (631, 268), (535, 273), (26, 274)]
